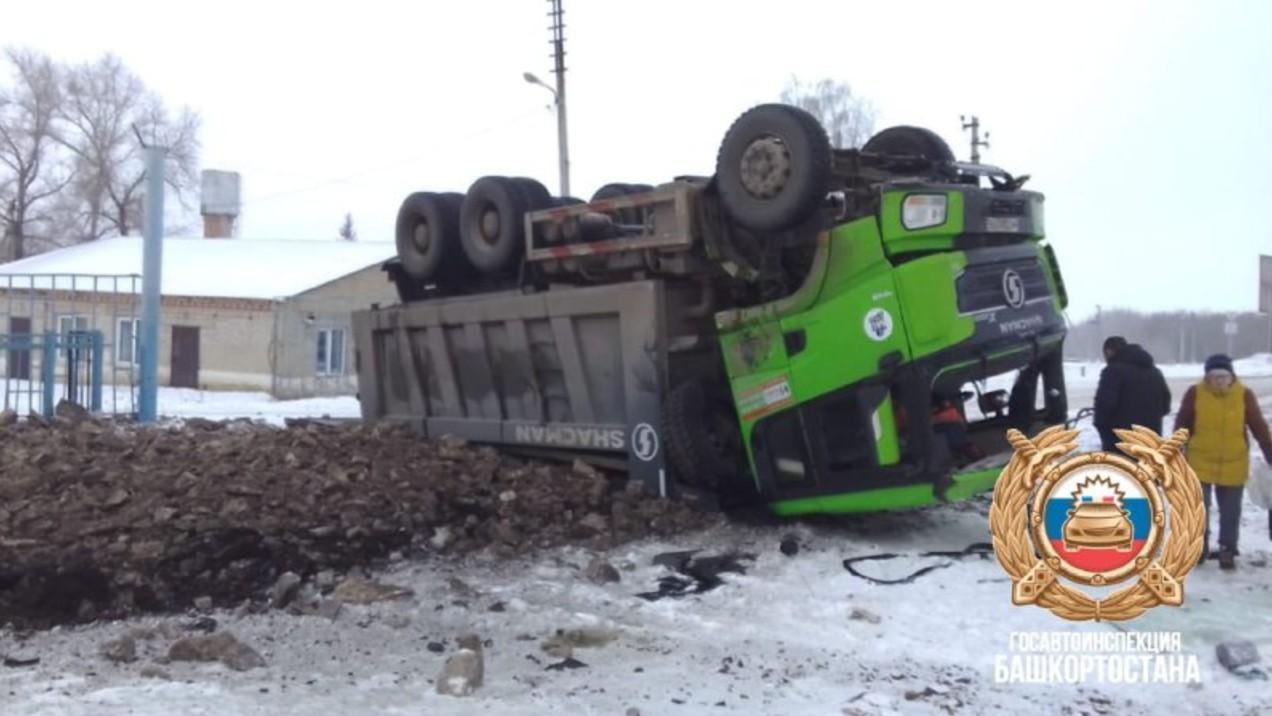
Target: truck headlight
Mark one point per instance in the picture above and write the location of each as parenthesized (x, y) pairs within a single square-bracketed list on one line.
[(921, 211)]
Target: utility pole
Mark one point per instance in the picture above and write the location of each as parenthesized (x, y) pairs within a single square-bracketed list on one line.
[(977, 142), (558, 53), (558, 94), (151, 268)]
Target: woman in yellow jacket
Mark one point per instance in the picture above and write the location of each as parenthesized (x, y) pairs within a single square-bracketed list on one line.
[(1217, 412)]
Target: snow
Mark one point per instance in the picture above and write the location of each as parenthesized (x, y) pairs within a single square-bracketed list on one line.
[(177, 403), (221, 268), (777, 640), (223, 405)]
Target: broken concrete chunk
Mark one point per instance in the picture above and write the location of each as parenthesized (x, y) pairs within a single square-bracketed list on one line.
[(600, 571), (864, 615), (284, 589), (464, 671), (1237, 653), (223, 647), (360, 591), (121, 651)]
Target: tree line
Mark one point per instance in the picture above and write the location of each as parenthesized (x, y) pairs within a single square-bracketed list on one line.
[(71, 163), (1171, 336)]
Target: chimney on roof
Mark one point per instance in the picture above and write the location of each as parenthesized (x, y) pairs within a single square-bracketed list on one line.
[(219, 203)]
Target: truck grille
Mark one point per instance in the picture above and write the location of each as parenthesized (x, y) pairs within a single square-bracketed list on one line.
[(984, 287)]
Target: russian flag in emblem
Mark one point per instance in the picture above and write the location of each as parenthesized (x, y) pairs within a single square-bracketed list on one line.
[(1098, 522)]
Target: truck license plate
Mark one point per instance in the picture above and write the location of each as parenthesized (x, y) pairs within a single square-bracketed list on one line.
[(1003, 224)]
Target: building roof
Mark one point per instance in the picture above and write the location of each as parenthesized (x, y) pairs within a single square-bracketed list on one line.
[(220, 268)]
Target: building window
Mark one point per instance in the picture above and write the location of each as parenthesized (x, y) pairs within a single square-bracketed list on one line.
[(68, 324), (126, 341), (331, 349)]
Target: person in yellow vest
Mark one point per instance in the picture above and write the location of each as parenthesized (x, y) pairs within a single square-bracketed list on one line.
[(1217, 413)]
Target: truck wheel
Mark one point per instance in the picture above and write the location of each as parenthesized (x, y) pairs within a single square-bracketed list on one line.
[(567, 201), (610, 191), (704, 444), (427, 234), (613, 191), (774, 167), (491, 224), (537, 195), (913, 141)]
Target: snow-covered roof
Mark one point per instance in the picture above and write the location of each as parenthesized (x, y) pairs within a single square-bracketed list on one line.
[(221, 268)]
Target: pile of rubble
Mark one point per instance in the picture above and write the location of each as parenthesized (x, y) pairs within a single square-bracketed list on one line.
[(106, 519)]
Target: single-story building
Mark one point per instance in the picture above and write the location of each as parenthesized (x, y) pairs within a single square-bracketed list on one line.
[(236, 314)]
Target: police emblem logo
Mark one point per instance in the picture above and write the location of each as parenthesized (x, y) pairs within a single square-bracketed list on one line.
[(1097, 519)]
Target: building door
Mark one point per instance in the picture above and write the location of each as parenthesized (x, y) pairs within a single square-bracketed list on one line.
[(185, 357), (19, 362)]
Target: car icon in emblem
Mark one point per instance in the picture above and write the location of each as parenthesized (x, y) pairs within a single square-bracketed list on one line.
[(1098, 525)]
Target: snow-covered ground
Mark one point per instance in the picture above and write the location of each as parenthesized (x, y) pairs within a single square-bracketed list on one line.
[(214, 405), (186, 403), (781, 639)]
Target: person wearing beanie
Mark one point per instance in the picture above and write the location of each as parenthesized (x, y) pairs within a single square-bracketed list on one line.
[(1218, 412), (1131, 391)]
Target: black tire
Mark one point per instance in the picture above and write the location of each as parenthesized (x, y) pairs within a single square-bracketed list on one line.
[(490, 222), (615, 190), (910, 141), (568, 201), (536, 195), (639, 188), (611, 191), (427, 236), (704, 444), (773, 169)]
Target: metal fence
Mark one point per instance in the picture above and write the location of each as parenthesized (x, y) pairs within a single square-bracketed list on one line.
[(69, 336)]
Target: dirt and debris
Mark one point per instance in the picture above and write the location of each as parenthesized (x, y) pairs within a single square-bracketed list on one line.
[(106, 519)]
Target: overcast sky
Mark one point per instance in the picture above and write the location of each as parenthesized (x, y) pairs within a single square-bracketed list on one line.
[(1148, 126)]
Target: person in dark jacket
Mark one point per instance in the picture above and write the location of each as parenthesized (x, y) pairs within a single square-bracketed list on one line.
[(1132, 391)]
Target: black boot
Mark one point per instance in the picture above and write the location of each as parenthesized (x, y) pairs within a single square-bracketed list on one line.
[(1227, 560)]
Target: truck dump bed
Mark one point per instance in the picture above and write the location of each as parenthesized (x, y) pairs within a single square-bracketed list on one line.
[(577, 369)]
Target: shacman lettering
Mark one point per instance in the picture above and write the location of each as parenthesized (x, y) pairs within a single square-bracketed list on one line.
[(565, 436)]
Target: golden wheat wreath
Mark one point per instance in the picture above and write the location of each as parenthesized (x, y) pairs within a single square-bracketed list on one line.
[(1034, 579)]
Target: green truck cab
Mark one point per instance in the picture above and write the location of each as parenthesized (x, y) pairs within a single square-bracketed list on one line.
[(938, 286)]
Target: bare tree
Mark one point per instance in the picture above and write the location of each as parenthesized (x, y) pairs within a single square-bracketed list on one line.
[(30, 170), (848, 118), (346, 229), (104, 102)]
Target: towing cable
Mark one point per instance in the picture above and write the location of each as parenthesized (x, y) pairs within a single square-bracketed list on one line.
[(980, 549)]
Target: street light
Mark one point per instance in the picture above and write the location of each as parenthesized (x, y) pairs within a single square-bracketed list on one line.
[(563, 151)]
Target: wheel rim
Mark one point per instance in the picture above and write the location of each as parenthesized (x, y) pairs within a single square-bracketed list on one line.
[(765, 167), (490, 224), (421, 237)]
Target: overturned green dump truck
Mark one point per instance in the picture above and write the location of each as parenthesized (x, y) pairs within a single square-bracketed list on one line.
[(796, 329)]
